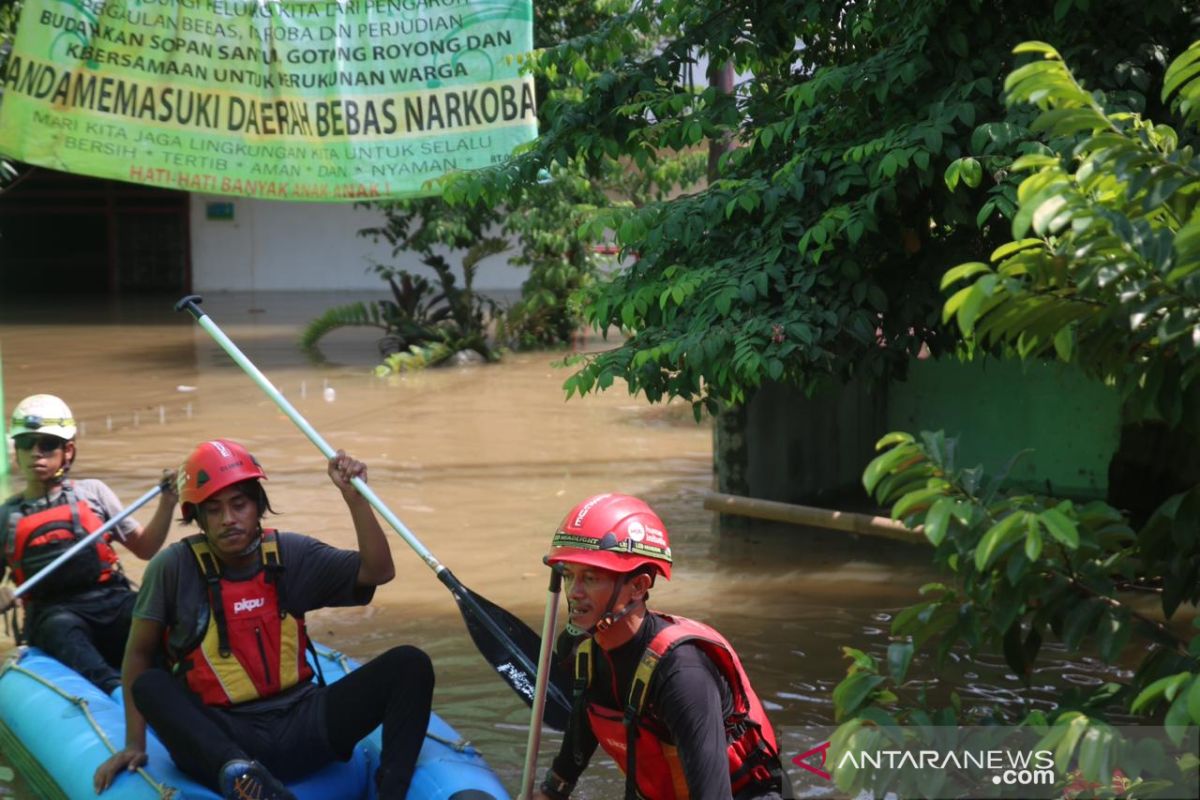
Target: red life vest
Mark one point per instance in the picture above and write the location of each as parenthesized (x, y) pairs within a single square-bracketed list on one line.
[(655, 771), (251, 648), (42, 536)]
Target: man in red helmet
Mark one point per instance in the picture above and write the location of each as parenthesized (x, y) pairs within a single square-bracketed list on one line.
[(665, 696), (81, 612), (224, 609)]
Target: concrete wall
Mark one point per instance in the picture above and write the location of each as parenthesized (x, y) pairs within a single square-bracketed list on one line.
[(273, 246), (811, 449), (998, 408), (814, 450)]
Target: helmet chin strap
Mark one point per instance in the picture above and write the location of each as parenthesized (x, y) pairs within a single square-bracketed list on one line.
[(608, 618), (61, 475)]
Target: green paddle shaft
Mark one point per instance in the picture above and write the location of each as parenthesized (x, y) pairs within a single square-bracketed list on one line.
[(462, 594), (190, 303)]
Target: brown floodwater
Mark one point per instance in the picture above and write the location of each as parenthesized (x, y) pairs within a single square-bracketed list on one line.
[(480, 463)]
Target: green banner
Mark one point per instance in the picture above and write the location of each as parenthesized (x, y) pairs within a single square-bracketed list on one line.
[(278, 99)]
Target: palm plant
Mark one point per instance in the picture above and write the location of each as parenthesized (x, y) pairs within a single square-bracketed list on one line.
[(411, 317), (423, 313)]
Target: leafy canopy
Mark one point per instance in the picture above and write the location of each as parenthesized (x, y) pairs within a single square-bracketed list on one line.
[(1102, 273), (1104, 269), (816, 251)]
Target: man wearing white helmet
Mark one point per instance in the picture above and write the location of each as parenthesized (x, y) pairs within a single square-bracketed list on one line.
[(80, 613)]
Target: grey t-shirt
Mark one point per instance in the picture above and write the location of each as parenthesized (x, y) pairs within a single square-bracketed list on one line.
[(314, 576), (95, 493)]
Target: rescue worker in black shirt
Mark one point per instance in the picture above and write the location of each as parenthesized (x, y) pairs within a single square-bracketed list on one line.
[(665, 696)]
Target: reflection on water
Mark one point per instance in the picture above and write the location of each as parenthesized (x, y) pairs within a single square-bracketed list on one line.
[(480, 463)]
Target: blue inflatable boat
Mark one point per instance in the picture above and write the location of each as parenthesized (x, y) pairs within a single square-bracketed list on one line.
[(56, 727)]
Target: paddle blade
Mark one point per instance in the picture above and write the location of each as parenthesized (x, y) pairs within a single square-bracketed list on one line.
[(512, 648)]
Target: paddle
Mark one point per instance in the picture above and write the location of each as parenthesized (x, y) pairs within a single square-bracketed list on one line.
[(538, 709), (508, 644), (37, 577)]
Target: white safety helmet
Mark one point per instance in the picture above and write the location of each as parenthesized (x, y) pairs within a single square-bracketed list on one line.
[(42, 413)]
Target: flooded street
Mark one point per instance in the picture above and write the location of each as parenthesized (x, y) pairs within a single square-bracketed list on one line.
[(481, 464)]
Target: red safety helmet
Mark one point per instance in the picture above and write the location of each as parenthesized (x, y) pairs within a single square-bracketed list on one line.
[(211, 467), (614, 532)]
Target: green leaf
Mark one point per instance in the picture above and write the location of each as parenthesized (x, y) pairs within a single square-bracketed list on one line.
[(1046, 213), (952, 174), (888, 166), (1163, 687), (1095, 753), (1005, 250), (858, 659), (903, 622), (937, 521), (1000, 534), (962, 271), (956, 302), (1066, 746), (1193, 701), (883, 464), (1061, 527), (969, 311), (1034, 161), (895, 437), (882, 719), (1034, 46), (917, 500), (984, 213), (852, 692), (900, 655), (972, 172), (957, 40), (1064, 343), (1033, 539), (1176, 721)]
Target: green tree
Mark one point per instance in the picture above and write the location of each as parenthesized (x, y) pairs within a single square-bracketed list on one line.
[(1104, 273), (548, 216), (816, 252), (545, 222)]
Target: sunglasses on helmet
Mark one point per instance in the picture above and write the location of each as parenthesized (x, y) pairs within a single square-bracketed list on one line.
[(45, 444)]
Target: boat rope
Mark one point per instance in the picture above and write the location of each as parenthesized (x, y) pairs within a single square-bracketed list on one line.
[(164, 792), (336, 656), (458, 745)]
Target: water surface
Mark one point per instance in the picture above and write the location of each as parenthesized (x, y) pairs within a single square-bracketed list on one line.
[(481, 463)]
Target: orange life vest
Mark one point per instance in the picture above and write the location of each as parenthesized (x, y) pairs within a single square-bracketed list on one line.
[(42, 536), (251, 648), (652, 767)]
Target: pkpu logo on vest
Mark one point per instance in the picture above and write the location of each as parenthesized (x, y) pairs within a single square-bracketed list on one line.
[(249, 604)]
